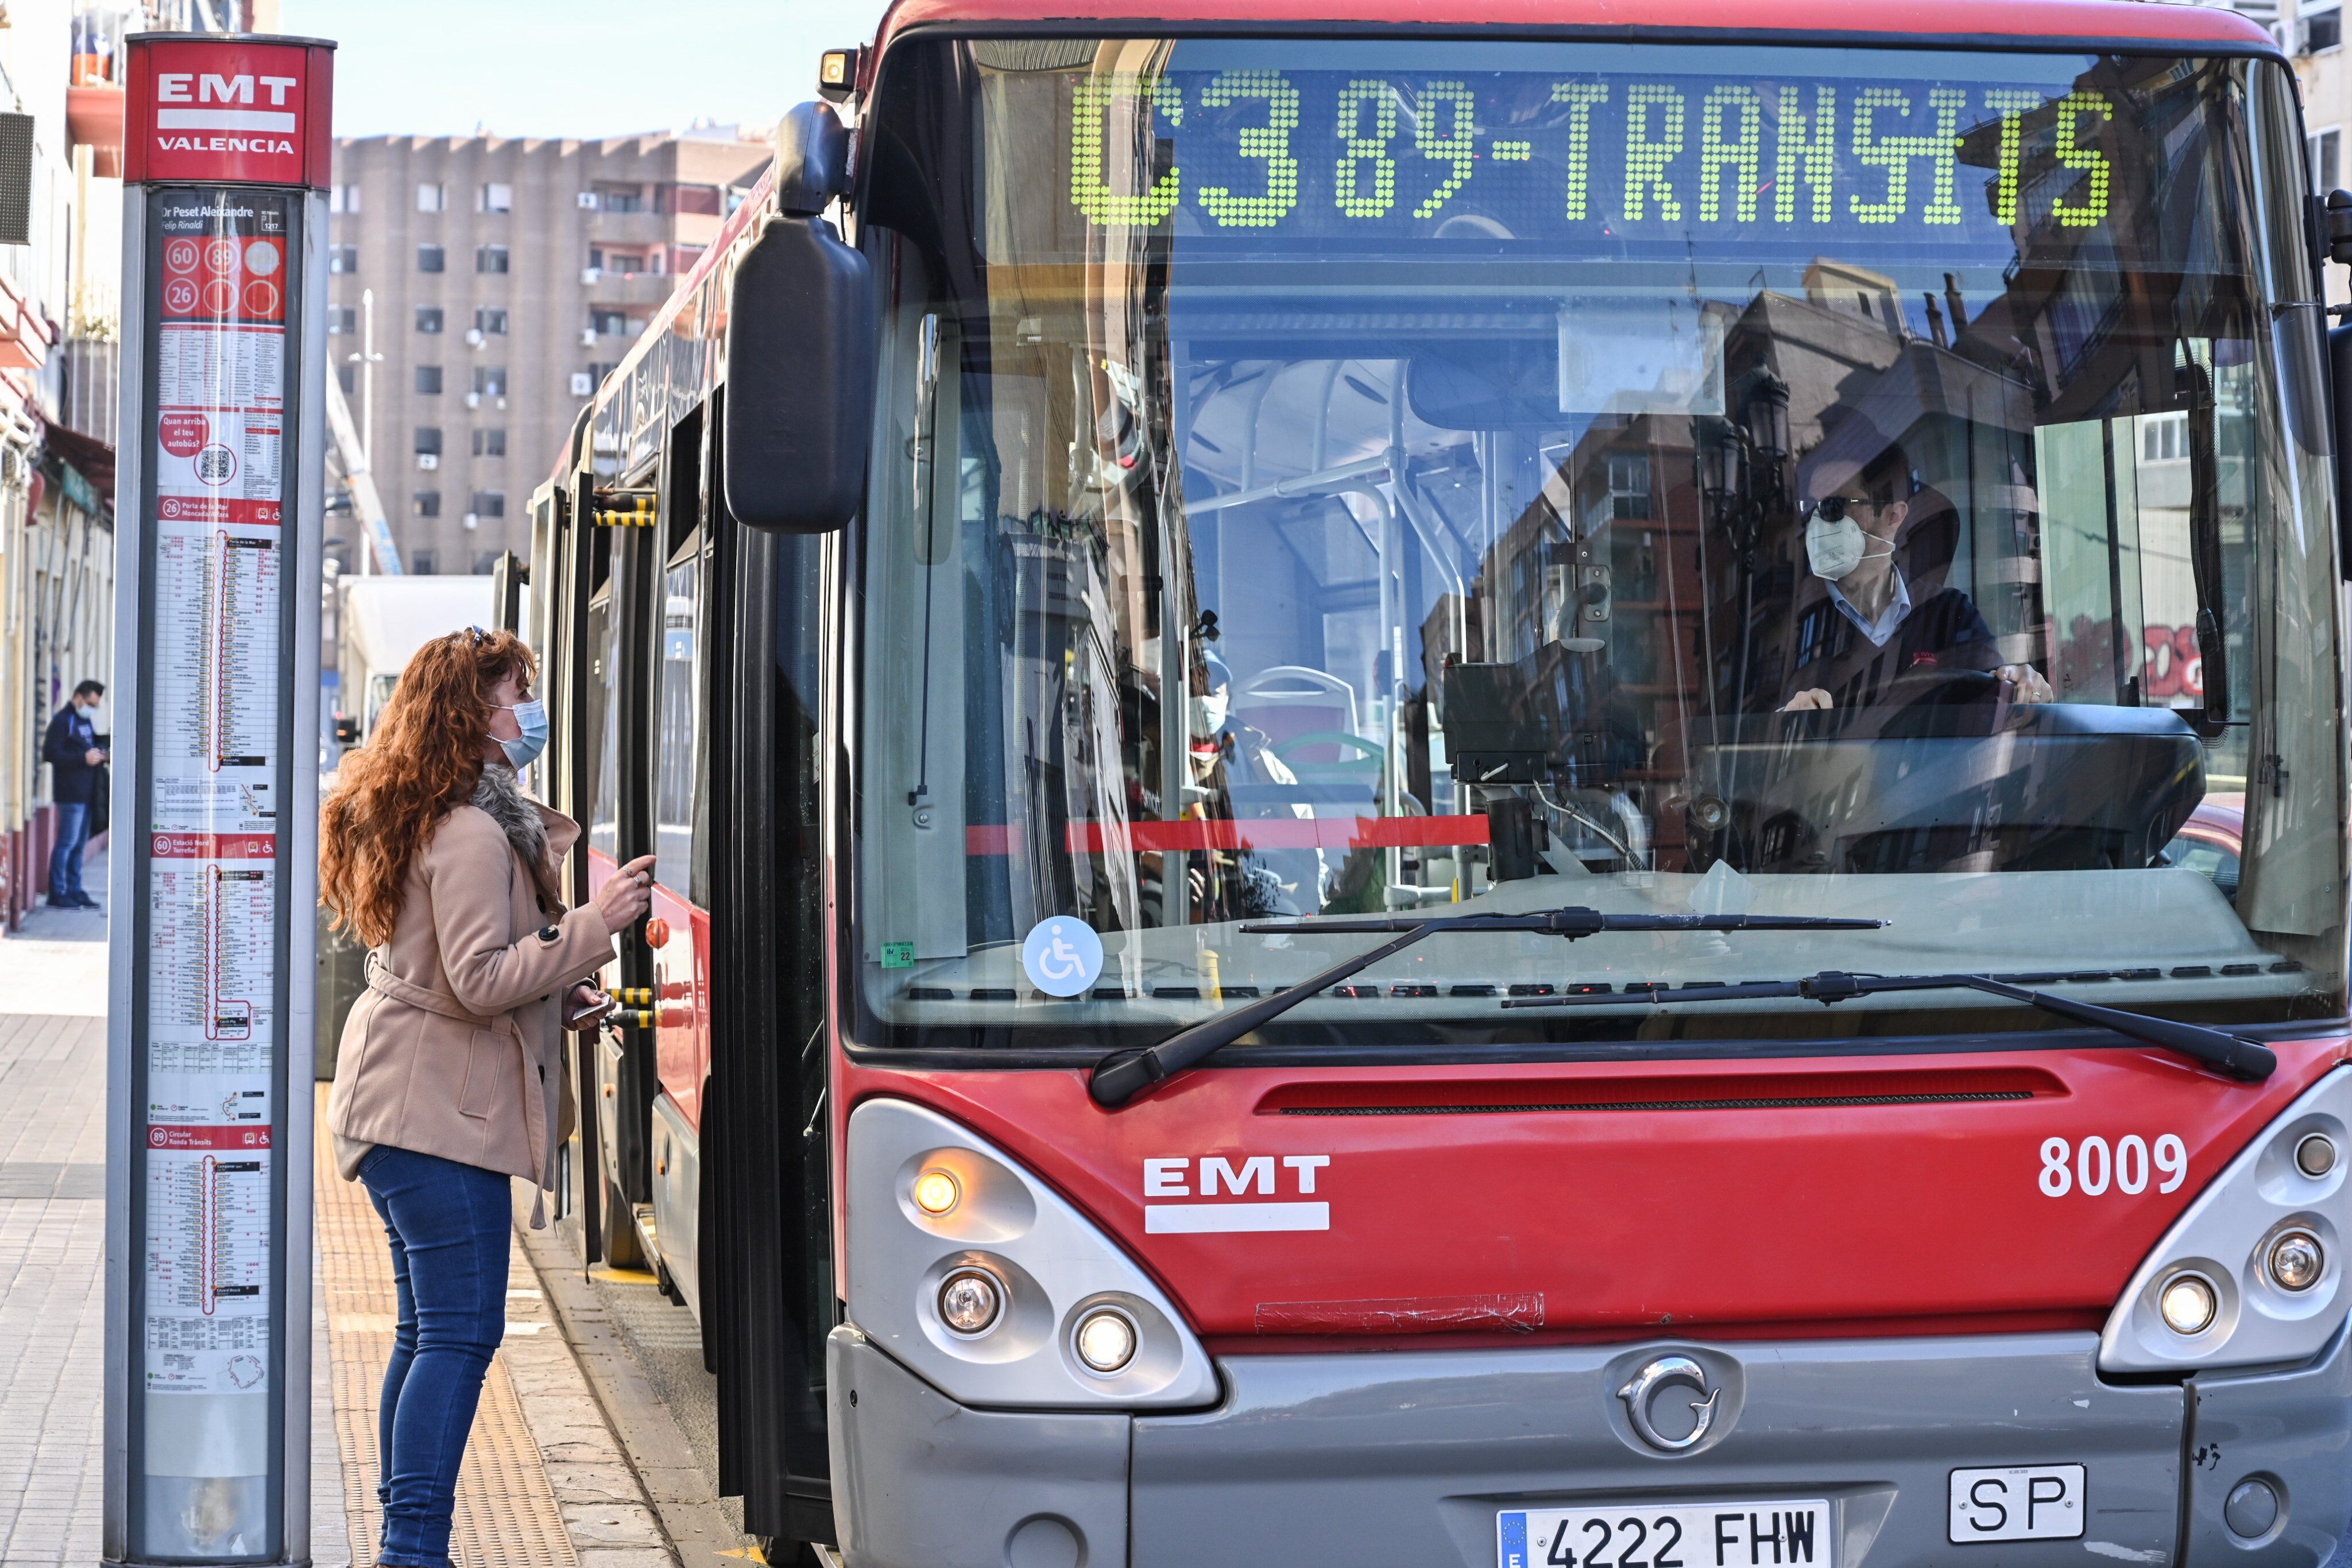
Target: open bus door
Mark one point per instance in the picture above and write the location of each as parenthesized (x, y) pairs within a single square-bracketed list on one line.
[(768, 1291), (509, 575)]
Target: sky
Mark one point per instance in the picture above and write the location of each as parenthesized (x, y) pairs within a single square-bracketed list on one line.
[(572, 68)]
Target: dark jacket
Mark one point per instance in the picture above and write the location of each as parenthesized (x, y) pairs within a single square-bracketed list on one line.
[(1944, 631), (70, 738)]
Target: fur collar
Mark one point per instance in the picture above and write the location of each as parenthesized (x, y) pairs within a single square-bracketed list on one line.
[(500, 795)]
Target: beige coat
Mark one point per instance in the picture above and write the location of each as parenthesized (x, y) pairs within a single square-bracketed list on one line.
[(455, 1048)]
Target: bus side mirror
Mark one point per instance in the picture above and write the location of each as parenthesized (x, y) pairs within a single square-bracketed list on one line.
[(800, 347)]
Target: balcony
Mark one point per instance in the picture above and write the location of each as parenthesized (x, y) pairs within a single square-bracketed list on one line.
[(647, 288), (641, 228), (94, 92), (25, 334)]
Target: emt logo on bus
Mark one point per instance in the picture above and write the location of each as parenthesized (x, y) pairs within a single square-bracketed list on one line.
[(228, 110), (1171, 1177)]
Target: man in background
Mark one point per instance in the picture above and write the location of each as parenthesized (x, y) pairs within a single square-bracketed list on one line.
[(74, 756)]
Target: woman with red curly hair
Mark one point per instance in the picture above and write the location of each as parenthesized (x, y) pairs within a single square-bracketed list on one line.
[(449, 1080)]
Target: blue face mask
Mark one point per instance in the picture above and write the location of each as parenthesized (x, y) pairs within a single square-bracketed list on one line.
[(533, 716)]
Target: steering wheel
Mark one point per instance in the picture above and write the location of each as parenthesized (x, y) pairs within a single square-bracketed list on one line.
[(1929, 701)]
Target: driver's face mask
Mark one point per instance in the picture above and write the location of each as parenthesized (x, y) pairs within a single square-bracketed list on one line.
[(1209, 712), (1834, 542)]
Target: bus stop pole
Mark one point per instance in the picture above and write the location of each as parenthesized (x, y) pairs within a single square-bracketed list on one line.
[(219, 491)]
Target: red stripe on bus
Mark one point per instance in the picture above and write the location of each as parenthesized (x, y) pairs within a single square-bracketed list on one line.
[(1255, 834)]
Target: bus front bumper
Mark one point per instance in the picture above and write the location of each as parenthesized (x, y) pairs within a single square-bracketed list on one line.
[(1407, 1458)]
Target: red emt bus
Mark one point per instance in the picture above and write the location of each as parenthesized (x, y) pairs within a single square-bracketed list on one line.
[(1419, 774)]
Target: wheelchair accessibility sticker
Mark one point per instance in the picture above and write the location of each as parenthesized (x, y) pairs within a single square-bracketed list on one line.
[(1063, 956)]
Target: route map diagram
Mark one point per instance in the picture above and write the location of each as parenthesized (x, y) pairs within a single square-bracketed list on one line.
[(211, 909), (207, 1257), (216, 652), (215, 752)]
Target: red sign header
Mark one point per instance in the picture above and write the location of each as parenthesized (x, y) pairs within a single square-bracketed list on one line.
[(249, 109)]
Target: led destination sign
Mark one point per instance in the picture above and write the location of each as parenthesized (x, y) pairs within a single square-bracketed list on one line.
[(1579, 159)]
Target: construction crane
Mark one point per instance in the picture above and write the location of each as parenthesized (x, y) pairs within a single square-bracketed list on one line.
[(357, 478)]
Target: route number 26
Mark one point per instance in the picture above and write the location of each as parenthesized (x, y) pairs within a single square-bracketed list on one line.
[(2094, 1166)]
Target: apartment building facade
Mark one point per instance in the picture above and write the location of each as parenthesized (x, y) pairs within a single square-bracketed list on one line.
[(2313, 30), (480, 286)]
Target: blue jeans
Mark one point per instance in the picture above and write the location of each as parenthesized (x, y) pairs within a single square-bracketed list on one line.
[(449, 1225), (65, 857)]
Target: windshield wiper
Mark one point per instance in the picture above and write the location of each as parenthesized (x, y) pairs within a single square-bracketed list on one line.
[(1122, 1075), (2229, 1054)]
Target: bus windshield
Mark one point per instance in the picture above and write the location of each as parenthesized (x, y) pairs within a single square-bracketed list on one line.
[(1323, 477)]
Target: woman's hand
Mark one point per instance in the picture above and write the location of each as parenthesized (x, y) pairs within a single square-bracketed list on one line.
[(626, 894), (585, 1007)]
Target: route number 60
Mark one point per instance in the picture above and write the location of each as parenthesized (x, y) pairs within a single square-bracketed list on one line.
[(2094, 1166)]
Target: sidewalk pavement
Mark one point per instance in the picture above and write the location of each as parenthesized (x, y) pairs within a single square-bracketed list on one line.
[(545, 1481)]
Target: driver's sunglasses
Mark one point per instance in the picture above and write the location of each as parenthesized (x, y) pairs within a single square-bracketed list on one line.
[(1833, 508)]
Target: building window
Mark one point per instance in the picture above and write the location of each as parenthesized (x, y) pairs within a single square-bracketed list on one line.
[(342, 258), (2322, 27), (344, 199), (432, 198), (684, 256), (497, 198), (490, 323), (2326, 148), (1629, 486), (2164, 438), (489, 503), (341, 320), (608, 323), (432, 258), (596, 373), (490, 258), (425, 504), (490, 380), (429, 440), (627, 263), (347, 376), (425, 562), (428, 318), (702, 199), (620, 198), (490, 442), (428, 381)]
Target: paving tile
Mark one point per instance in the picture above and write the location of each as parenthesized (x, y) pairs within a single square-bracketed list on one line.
[(611, 1525), (626, 1557)]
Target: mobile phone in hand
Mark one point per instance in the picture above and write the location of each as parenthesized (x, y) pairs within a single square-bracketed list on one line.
[(602, 1005)]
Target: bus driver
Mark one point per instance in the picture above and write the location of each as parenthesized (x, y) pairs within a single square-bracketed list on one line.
[(1857, 514)]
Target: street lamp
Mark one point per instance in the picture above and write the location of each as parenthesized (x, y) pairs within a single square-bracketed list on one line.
[(367, 358)]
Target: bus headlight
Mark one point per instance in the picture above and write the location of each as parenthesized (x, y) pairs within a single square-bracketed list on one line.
[(2247, 1274), (2189, 1303), (1105, 1339), (936, 1192), (2296, 1260), (970, 1299), (993, 1287)]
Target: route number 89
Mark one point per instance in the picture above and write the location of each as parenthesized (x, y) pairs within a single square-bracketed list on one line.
[(2094, 1166)]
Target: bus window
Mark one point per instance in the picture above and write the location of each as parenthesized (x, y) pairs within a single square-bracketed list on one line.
[(679, 742), (603, 810)]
